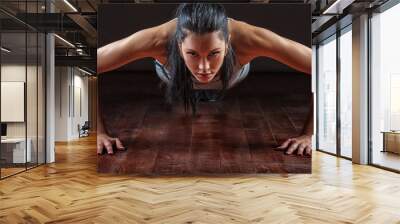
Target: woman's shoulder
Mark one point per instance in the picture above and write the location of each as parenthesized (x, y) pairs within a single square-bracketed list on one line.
[(164, 33), (241, 39), (167, 29), (238, 26)]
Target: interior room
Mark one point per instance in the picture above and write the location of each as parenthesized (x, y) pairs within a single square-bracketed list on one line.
[(223, 166)]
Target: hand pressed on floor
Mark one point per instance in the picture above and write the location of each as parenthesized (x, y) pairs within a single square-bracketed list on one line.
[(300, 145), (106, 142)]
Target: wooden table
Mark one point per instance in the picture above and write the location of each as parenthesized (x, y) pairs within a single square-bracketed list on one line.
[(391, 141)]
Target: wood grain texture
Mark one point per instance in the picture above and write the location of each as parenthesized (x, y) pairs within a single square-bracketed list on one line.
[(235, 135), (72, 191)]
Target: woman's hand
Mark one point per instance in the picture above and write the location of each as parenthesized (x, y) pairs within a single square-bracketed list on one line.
[(300, 144), (107, 142)]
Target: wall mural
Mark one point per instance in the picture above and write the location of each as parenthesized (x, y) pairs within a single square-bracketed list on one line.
[(200, 89)]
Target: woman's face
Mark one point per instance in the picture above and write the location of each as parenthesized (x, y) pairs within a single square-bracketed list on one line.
[(203, 54)]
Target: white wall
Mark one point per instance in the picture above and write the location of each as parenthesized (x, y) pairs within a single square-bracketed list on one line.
[(61, 103), (80, 103), (71, 93), (15, 72)]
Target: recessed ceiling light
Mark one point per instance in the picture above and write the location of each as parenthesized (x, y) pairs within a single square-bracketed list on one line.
[(338, 6), (64, 40), (70, 5), (86, 72), (5, 50)]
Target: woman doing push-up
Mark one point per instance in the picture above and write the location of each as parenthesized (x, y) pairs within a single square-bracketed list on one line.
[(199, 55)]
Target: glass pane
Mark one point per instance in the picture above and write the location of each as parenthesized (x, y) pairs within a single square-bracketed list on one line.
[(327, 96), (41, 98), (345, 93), (386, 89), (31, 97), (14, 153)]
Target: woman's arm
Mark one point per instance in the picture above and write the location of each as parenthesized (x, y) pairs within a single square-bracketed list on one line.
[(150, 42), (104, 141), (291, 53), (298, 57), (302, 143), (265, 43), (252, 42)]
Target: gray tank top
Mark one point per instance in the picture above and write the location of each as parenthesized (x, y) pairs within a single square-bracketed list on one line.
[(239, 73)]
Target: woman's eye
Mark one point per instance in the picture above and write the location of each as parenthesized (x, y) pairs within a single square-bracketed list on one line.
[(214, 53), (192, 54)]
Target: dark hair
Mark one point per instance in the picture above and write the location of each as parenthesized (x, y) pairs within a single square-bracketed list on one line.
[(199, 18)]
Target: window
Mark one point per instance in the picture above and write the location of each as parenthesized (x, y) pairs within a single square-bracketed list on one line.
[(22, 66), (346, 92), (327, 95), (385, 87)]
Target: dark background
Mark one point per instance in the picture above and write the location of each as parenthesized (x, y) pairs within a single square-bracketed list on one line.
[(293, 21)]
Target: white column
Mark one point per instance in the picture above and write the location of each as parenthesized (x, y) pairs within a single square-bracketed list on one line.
[(50, 93), (360, 90)]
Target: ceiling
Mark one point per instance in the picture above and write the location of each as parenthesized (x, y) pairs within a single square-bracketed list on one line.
[(76, 22)]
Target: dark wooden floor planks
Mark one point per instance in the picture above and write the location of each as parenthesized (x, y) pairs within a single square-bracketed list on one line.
[(260, 138), (174, 154), (234, 136)]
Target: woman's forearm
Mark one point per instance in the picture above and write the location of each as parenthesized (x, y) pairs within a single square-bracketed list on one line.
[(115, 54), (149, 42), (308, 128), (303, 56), (109, 57), (307, 64), (100, 125)]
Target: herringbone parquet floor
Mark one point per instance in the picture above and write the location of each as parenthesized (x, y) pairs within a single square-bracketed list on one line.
[(71, 191)]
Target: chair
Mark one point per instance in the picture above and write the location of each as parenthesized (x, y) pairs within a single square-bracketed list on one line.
[(84, 130)]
